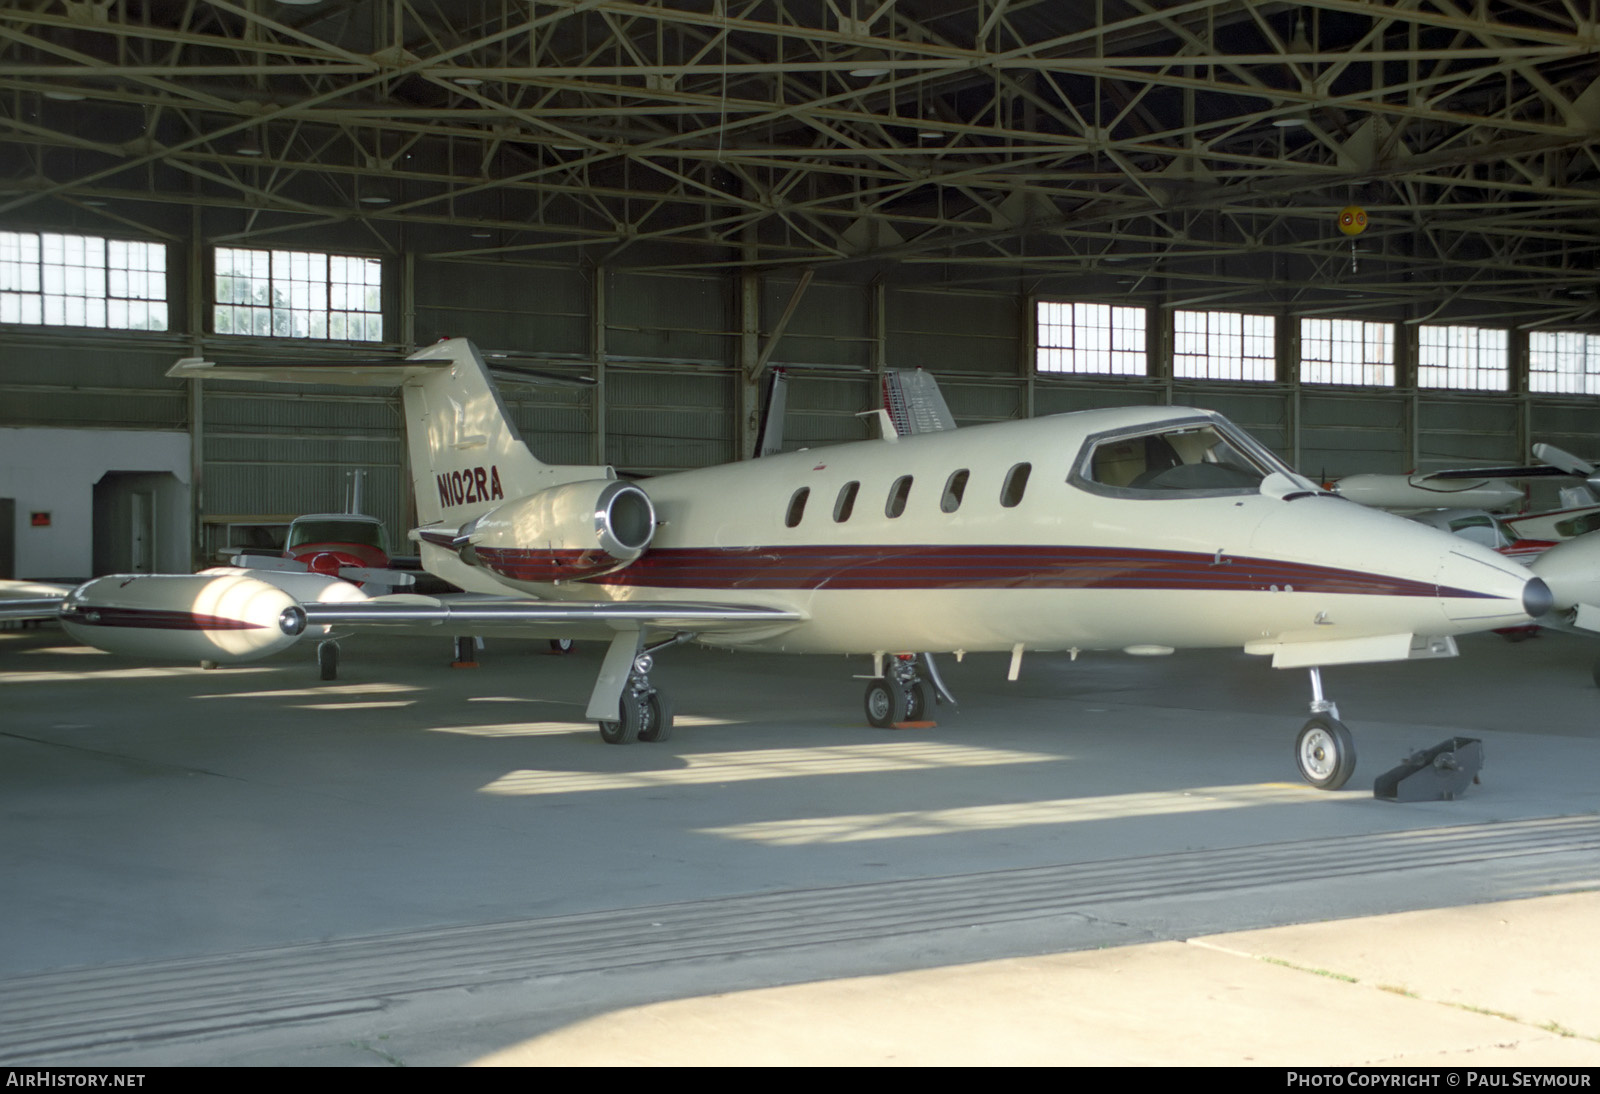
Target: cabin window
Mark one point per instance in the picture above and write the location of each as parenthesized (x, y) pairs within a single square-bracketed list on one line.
[(898, 493), (797, 507), (954, 487), (846, 504), (1016, 482)]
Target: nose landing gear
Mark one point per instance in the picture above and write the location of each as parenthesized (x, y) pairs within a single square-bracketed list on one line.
[(1324, 751)]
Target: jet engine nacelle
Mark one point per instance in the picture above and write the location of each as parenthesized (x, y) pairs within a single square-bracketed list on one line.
[(223, 617), (565, 533)]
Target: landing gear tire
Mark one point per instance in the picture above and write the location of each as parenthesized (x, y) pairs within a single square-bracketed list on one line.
[(1595, 674), (561, 645), (656, 723), (916, 703), (625, 730), (889, 701), (1325, 752), (328, 660)]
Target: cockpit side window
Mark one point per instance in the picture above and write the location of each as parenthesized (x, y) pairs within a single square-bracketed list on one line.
[(1196, 459)]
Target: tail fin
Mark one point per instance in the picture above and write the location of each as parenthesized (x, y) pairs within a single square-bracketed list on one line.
[(915, 403), (466, 455)]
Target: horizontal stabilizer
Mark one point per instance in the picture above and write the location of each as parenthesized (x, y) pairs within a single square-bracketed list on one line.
[(390, 372)]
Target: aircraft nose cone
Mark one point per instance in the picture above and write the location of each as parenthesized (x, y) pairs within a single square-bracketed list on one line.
[(1537, 598)]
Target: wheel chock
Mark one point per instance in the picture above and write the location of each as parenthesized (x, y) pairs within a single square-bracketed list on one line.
[(914, 725), (463, 664), (1438, 774)]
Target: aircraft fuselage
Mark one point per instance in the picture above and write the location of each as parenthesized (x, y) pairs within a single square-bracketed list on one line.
[(1019, 533)]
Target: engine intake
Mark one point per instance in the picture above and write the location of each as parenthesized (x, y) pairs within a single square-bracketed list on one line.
[(566, 533)]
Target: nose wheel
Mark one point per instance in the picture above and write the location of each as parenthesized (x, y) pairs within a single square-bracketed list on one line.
[(1324, 751)]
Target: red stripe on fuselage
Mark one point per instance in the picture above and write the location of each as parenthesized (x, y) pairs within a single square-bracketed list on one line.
[(974, 567)]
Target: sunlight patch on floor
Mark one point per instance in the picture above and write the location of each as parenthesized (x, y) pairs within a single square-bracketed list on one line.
[(558, 728), (148, 672), (324, 692), (939, 822), (776, 763)]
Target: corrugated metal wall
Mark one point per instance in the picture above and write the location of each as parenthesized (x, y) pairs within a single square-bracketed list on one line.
[(668, 352)]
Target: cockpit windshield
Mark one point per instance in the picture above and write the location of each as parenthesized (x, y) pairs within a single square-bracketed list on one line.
[(1192, 459), (334, 530)]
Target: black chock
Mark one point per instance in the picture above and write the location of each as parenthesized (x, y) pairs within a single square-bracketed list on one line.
[(1438, 774)]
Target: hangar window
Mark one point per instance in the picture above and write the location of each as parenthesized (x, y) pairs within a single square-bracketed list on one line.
[(82, 281), (1346, 351), (1016, 482), (1223, 345), (1564, 362), (1090, 338), (797, 507), (898, 493), (954, 487), (846, 503), (1472, 358), (298, 294)]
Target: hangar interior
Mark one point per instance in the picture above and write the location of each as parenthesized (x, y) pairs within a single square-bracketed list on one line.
[(671, 199), (1367, 232)]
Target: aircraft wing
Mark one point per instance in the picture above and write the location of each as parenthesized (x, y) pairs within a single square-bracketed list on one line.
[(24, 600), (622, 624), (536, 618), (17, 609)]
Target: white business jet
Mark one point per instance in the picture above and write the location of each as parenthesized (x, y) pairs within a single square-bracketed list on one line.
[(1145, 530)]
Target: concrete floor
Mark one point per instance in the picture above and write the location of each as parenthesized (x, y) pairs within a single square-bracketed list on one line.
[(425, 865)]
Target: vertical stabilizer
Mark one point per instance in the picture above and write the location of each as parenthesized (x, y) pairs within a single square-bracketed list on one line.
[(466, 454), (915, 403)]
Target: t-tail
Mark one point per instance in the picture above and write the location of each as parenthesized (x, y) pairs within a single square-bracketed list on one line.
[(477, 484)]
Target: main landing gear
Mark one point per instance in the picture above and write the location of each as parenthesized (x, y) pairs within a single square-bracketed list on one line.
[(1324, 750), (328, 659), (644, 713), (900, 694)]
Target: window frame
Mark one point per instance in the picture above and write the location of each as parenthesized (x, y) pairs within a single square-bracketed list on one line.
[(1461, 338), (1372, 373), (1082, 320), (83, 294), (1584, 378), (1217, 353), (294, 294)]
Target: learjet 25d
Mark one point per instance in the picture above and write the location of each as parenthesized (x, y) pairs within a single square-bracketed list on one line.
[(1146, 529)]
